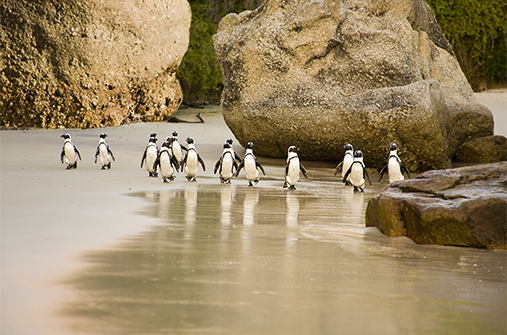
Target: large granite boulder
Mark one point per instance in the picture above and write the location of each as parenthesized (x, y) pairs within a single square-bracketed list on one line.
[(90, 63), (460, 207), (319, 74)]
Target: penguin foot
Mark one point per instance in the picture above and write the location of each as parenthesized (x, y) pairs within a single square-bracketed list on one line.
[(358, 190), (103, 167), (165, 180), (348, 183), (292, 187), (285, 185), (68, 167)]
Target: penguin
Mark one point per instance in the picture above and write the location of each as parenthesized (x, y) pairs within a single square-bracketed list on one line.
[(251, 166), (105, 154), (69, 152), (191, 161), (176, 147), (348, 158), (150, 155), (167, 162), (234, 154), (357, 172), (394, 167), (292, 168), (226, 165)]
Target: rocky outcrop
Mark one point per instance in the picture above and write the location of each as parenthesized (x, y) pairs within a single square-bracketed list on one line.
[(90, 63), (319, 74), (487, 149), (459, 207)]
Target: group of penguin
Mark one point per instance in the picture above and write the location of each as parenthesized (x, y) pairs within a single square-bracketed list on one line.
[(173, 157)]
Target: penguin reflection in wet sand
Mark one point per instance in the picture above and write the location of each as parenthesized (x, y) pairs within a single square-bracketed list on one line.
[(394, 167), (167, 162), (357, 172), (226, 165), (251, 166), (347, 161), (292, 168), (105, 154), (191, 161), (69, 152), (150, 155)]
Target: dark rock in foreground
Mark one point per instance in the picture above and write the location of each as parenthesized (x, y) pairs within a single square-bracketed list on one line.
[(460, 207)]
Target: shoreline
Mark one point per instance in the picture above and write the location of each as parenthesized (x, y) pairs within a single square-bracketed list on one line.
[(50, 217)]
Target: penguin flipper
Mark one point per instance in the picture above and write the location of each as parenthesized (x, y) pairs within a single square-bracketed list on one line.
[(183, 147), (77, 152), (338, 168), (302, 168), (97, 153), (202, 162), (217, 165), (258, 165), (111, 153), (183, 162), (404, 168), (175, 163), (156, 163), (365, 173), (144, 157), (384, 170), (237, 157), (240, 166), (62, 154), (347, 174)]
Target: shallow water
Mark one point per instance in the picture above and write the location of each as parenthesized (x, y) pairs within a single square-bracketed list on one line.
[(229, 259)]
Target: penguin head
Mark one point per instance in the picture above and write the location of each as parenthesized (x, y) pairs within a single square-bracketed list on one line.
[(153, 135), (190, 140), (393, 146), (166, 144), (65, 136), (249, 145), (229, 140), (358, 154), (293, 148), (153, 140), (348, 147), (227, 146), (103, 135), (175, 133)]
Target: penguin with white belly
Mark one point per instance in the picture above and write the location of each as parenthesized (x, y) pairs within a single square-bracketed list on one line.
[(357, 172), (234, 154), (292, 168), (176, 147), (69, 153), (191, 161), (226, 165), (167, 162), (251, 166), (104, 153), (348, 158), (394, 167), (150, 155)]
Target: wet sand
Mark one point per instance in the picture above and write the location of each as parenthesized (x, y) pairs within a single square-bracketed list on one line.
[(54, 221)]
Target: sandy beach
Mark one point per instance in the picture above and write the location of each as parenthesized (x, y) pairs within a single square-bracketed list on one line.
[(51, 217)]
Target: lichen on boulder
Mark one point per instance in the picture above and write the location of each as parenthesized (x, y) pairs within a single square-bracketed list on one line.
[(321, 74), (90, 63), (459, 207)]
